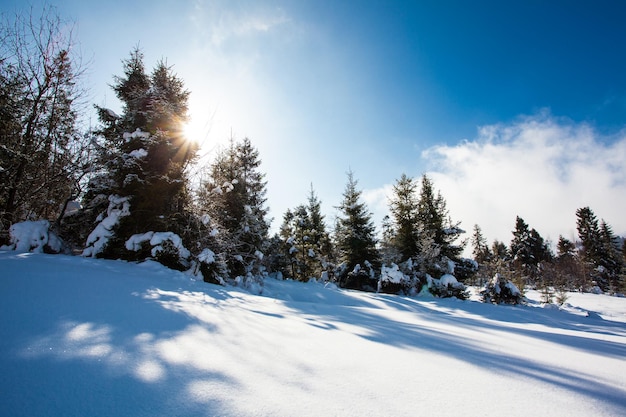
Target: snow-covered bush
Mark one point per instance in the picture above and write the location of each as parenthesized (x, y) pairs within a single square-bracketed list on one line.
[(211, 267), (447, 286), (34, 236), (98, 239), (165, 247), (360, 278), (501, 291), (394, 281)]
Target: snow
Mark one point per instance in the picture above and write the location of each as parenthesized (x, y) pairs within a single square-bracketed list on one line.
[(111, 113), (513, 288), (207, 256), (448, 279), (98, 238), (33, 236), (137, 134), (92, 337), (156, 240), (392, 274), (139, 153)]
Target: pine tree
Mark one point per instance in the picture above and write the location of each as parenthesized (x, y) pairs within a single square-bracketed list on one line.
[(355, 240)]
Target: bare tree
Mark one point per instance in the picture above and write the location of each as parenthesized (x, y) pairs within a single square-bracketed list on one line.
[(42, 154)]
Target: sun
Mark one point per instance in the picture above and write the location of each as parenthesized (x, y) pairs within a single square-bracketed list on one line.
[(190, 132)]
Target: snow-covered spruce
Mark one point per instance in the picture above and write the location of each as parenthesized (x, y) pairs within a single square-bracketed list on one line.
[(501, 291), (96, 241), (394, 281), (447, 286), (165, 247)]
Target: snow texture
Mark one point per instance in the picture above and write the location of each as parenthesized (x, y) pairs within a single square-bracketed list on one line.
[(92, 337)]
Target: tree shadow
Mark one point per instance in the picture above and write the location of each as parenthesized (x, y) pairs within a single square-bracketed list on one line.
[(446, 315)]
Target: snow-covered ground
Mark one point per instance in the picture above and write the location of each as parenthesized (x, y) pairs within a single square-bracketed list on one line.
[(88, 337)]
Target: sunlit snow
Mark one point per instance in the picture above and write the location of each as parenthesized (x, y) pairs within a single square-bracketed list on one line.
[(89, 337)]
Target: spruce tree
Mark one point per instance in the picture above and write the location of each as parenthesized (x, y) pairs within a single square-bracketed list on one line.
[(403, 206), (437, 232), (591, 246), (611, 263), (480, 249), (298, 243), (233, 196), (528, 250), (589, 235), (355, 239), (568, 271), (306, 243), (482, 255), (144, 158)]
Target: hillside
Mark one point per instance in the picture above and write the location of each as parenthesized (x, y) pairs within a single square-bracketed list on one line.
[(107, 338)]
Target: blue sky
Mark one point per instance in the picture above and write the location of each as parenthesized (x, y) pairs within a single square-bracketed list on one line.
[(514, 108)]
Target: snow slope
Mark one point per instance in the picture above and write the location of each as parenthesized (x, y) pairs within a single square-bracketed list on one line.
[(89, 337)]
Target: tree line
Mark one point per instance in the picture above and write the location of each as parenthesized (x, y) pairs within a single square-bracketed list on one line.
[(122, 190)]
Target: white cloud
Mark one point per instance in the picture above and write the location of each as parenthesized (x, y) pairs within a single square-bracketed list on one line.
[(541, 168), (223, 21)]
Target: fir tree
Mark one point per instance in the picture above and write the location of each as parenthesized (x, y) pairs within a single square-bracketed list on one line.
[(355, 240)]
